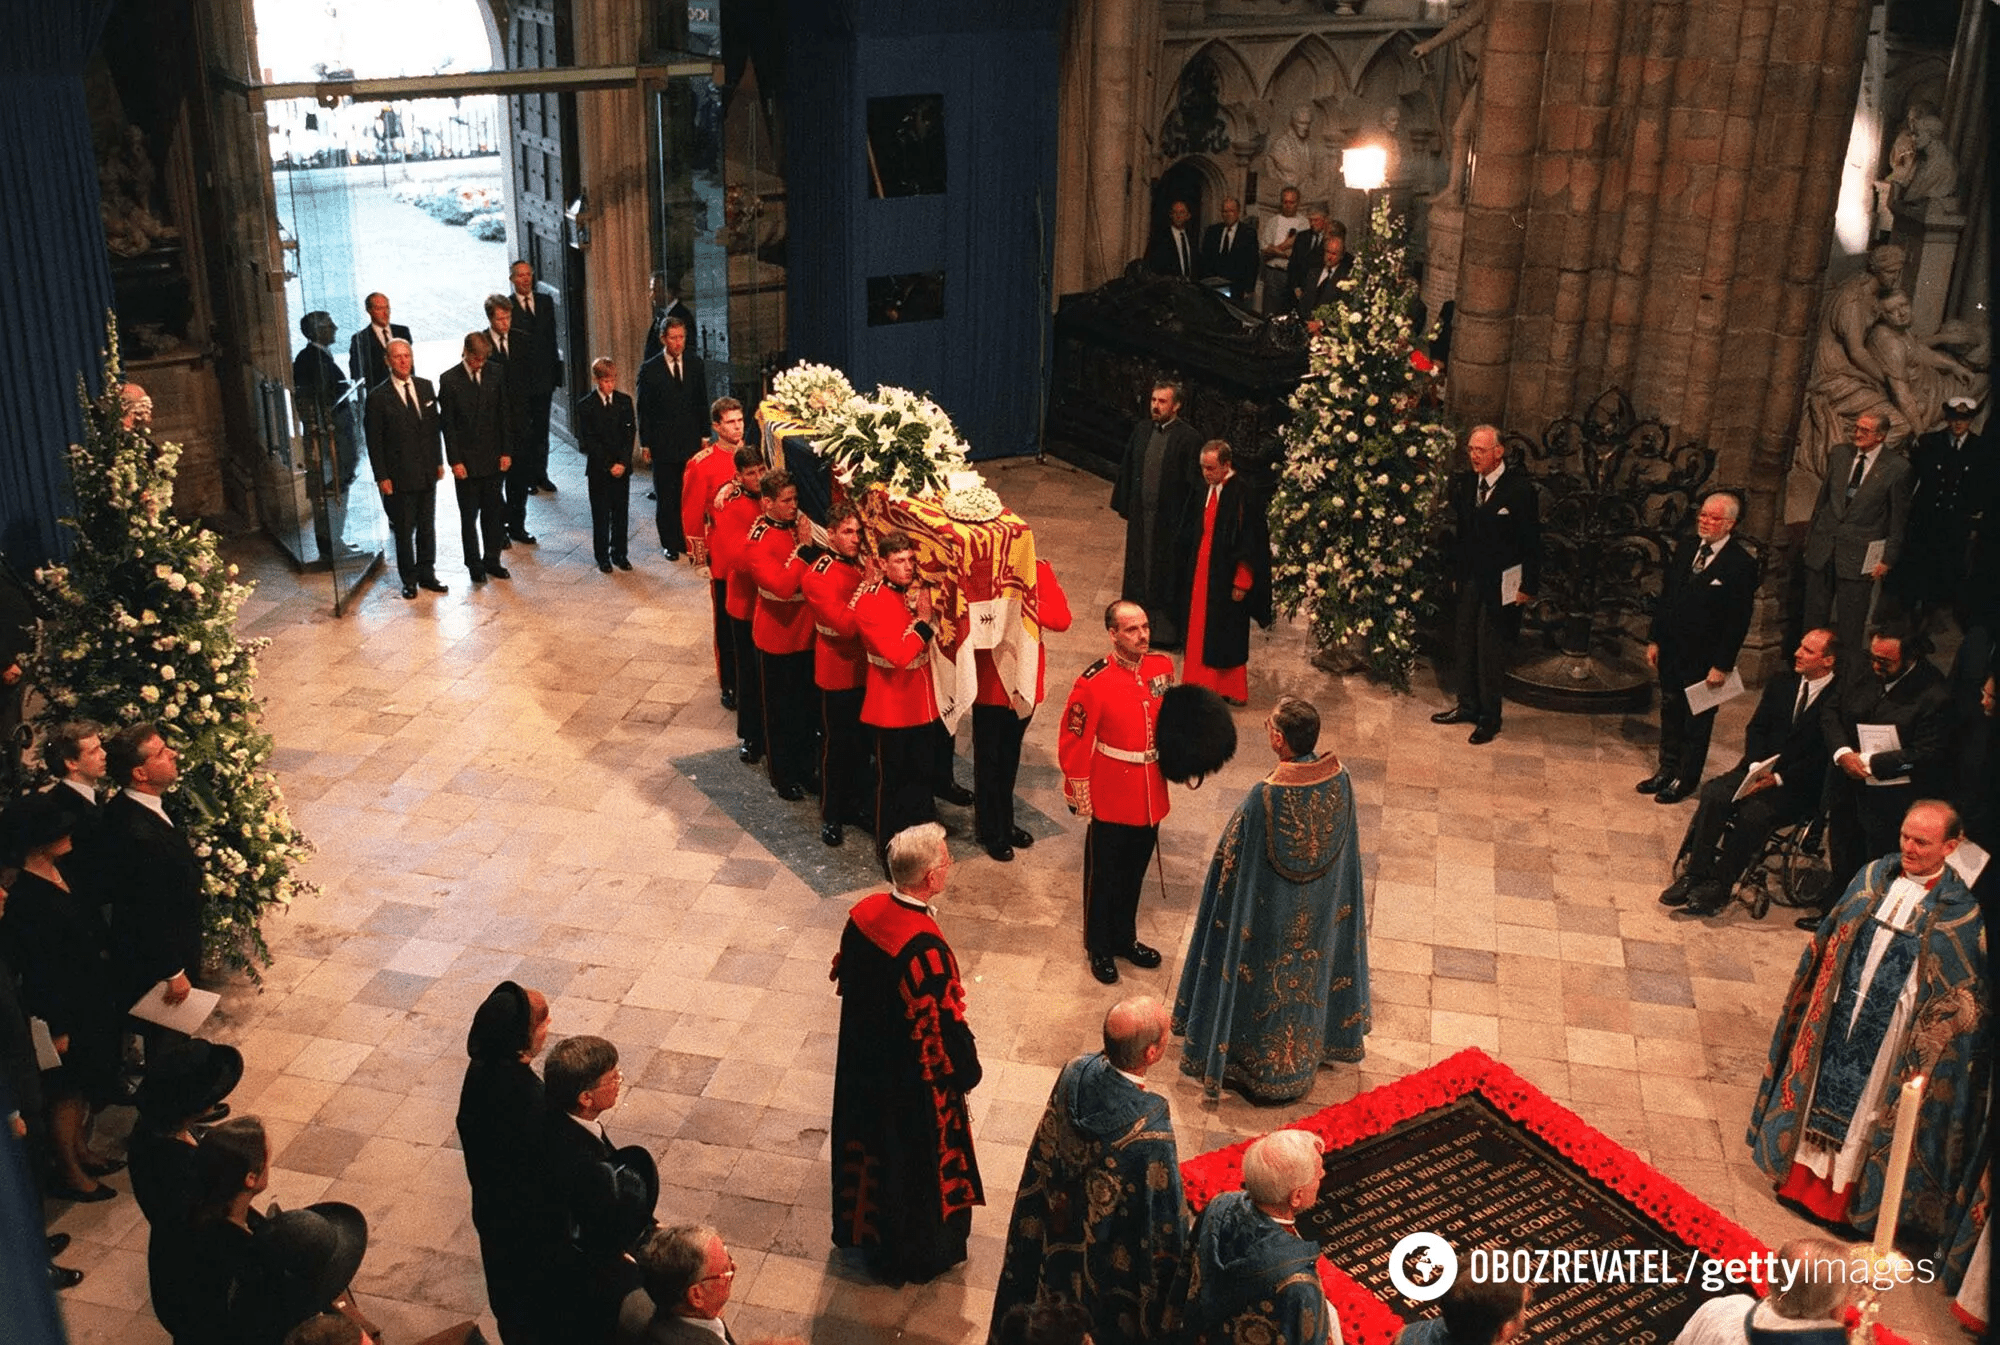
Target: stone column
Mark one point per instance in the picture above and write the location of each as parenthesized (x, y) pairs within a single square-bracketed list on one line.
[(612, 132), (1111, 51)]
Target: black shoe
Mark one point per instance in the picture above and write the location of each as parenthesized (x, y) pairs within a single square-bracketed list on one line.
[(625, 564), (1707, 899), (506, 542), (531, 490), (499, 572), (791, 791), (58, 1244), (521, 535), (1139, 955), (1001, 851), (409, 590), (1453, 716), (1484, 734), (1677, 892), (83, 1197), (652, 494), (1655, 782), (1810, 921), (544, 485), (478, 576), (729, 700), (604, 567), (1021, 837), (1674, 791), (669, 553), (1104, 969), (749, 755), (62, 1277), (433, 586), (955, 793), (830, 833)]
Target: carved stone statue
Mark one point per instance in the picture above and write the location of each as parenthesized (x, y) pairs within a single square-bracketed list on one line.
[(1933, 177), (1468, 29), (125, 195), (1295, 160)]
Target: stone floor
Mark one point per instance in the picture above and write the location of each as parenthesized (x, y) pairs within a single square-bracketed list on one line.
[(489, 779)]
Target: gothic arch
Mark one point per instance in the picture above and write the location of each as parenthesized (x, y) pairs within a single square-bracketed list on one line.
[(1311, 72)]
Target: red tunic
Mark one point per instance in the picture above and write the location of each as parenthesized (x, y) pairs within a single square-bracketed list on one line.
[(729, 544), (900, 694), (1233, 683), (706, 473), (839, 662), (783, 622), (1050, 607), (1116, 707)]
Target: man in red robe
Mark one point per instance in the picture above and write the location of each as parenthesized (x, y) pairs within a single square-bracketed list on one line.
[(1225, 577), (904, 1175)]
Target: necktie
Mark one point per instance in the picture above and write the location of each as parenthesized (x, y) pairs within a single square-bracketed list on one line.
[(382, 335), (503, 347), (1860, 470), (1228, 237), (528, 302), (675, 365), (409, 396), (1180, 247), (1805, 694), (1485, 489), (475, 378), (1703, 556)]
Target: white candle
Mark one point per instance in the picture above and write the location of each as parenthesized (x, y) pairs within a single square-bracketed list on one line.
[(1899, 1161)]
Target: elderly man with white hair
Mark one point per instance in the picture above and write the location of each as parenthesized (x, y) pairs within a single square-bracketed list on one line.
[(904, 1176), (1251, 1276), (1805, 1309)]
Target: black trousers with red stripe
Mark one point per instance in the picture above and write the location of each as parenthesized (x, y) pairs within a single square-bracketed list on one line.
[(846, 760), (906, 763), (1115, 856), (791, 717), (725, 640)]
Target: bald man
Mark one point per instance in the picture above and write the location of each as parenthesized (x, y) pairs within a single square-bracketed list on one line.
[(1496, 545)]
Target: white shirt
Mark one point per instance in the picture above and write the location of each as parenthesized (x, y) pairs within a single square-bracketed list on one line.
[(382, 335), (88, 794), (1138, 1080), (1867, 461), (1492, 481), (594, 1126), (1274, 230), (907, 900), (406, 391), (499, 342), (151, 801), (1720, 1321)]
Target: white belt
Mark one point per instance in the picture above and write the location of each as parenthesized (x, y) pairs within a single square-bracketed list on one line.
[(828, 631), (769, 596), (885, 663), (1144, 758)]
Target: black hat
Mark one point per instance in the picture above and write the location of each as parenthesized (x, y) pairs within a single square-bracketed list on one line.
[(1960, 408), (615, 1201), (315, 1251), (185, 1079), (1195, 732), (35, 820), (500, 1025)]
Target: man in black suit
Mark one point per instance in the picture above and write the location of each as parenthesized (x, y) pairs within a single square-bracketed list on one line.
[(604, 428), (320, 391), (1172, 252), (1497, 529), (402, 420), (1322, 286), (1159, 473), (673, 418), (1229, 250), (687, 1274), (514, 482), (1308, 249), (151, 876), (1955, 491), (582, 1081), (368, 349), (1871, 790), (1785, 749), (472, 412), (667, 303), (1864, 499), (1698, 627), (536, 366)]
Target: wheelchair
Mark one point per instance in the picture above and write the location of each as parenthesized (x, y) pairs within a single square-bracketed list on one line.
[(1790, 870)]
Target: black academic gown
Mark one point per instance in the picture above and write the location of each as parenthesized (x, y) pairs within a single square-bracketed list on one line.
[(1241, 536), (1151, 570)]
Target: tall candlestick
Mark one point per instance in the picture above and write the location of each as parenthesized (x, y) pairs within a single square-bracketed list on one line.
[(1899, 1161)]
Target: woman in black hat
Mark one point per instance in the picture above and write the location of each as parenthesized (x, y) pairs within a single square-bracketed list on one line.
[(196, 1286), (184, 1081), (57, 942), (301, 1263), (500, 1113)]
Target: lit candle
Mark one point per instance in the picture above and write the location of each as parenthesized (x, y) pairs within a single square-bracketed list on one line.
[(1899, 1161)]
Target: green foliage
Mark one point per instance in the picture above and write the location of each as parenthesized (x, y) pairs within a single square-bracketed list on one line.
[(144, 628), (1364, 462)]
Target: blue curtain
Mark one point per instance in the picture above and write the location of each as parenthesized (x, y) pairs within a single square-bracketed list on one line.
[(53, 269), (990, 233)]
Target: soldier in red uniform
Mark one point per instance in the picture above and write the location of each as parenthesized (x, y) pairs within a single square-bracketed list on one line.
[(734, 509), (840, 670), (1111, 775), (895, 617), (997, 728), (782, 629), (708, 472)]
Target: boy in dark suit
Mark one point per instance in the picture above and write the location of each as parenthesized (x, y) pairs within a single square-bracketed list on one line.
[(604, 429), (1698, 627), (1497, 527), (472, 411), (402, 420)]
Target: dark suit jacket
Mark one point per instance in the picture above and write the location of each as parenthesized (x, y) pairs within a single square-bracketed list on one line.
[(535, 353), (1314, 293), (1162, 256), (20, 1072), (1919, 706), (1504, 533), (474, 418), (1701, 619), (1239, 265), (316, 375), (1308, 256), (367, 362), (673, 414), (1841, 529), (604, 433), (153, 881), (1950, 488), (1799, 747), (640, 1322), (403, 445)]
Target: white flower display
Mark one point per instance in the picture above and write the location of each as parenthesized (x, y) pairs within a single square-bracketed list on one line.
[(812, 394), (897, 439)]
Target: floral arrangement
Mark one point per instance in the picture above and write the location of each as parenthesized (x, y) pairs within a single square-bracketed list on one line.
[(1363, 465), (897, 439), (143, 628), (1364, 1319), (813, 394)]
